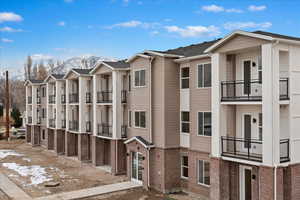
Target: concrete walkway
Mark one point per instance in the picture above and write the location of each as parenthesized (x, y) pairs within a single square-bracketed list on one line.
[(16, 193)]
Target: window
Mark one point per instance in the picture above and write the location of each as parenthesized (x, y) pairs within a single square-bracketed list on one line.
[(203, 172), (139, 78), (43, 135), (140, 119), (38, 92), (129, 83), (185, 78), (43, 91), (204, 75), (260, 127), (184, 167), (43, 113), (204, 123), (129, 118), (185, 122)]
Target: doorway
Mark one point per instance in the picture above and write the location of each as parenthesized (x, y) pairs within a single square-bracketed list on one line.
[(137, 167), (245, 183)]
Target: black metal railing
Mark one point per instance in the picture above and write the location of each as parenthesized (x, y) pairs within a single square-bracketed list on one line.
[(63, 98), (73, 98), (88, 126), (104, 97), (88, 97), (250, 90), (246, 149), (51, 99), (104, 130), (284, 150), (124, 96), (73, 125), (63, 123), (124, 131), (29, 120), (52, 123), (29, 99), (38, 100)]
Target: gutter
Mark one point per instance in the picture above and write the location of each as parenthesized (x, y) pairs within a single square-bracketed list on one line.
[(192, 58), (148, 149)]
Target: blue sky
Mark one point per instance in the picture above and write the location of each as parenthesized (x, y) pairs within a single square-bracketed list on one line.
[(61, 29)]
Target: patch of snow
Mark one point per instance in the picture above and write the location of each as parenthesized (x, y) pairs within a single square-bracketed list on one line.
[(26, 159), (37, 174), (6, 152)]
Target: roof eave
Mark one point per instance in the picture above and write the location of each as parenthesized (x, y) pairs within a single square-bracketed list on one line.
[(180, 60)]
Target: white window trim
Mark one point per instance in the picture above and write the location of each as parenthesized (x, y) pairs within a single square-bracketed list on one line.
[(258, 126), (129, 118), (145, 119), (184, 77), (198, 175), (189, 122), (197, 66), (197, 117), (133, 79), (181, 167)]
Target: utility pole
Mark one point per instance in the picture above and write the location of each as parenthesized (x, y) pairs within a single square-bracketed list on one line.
[(7, 106)]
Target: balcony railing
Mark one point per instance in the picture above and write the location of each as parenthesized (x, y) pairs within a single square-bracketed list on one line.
[(124, 131), (104, 130), (29, 120), (250, 90), (63, 98), (38, 100), (51, 99), (104, 97), (39, 120), (52, 123), (73, 98), (29, 99), (63, 123), (250, 149), (88, 126), (124, 96), (88, 97), (73, 125)]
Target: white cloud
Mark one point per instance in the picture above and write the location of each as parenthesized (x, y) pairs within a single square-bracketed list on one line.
[(154, 33), (62, 23), (134, 24), (41, 57), (9, 29), (257, 8), (194, 31), (5, 40), (243, 25), (215, 8), (9, 17)]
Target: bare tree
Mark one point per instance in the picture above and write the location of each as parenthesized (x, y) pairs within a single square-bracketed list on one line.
[(42, 72), (28, 68)]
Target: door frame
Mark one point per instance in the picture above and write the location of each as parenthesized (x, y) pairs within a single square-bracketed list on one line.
[(242, 180), (137, 168), (243, 127)]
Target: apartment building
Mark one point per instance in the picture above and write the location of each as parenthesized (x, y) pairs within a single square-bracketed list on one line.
[(218, 119)]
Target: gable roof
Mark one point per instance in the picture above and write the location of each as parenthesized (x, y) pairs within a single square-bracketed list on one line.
[(33, 82), (82, 71), (275, 35), (58, 76), (118, 65), (141, 140)]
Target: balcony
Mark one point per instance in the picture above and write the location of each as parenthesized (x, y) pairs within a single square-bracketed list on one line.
[(88, 126), (104, 97), (38, 100), (250, 149), (29, 120), (88, 97), (63, 123), (124, 131), (63, 98), (73, 98), (124, 96), (52, 123), (104, 130), (51, 99), (249, 90), (29, 99), (73, 125)]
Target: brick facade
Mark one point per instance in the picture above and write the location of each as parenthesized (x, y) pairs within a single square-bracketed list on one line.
[(71, 144), (59, 141), (50, 139)]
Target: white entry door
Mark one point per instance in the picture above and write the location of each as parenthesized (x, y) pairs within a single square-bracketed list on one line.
[(136, 167), (245, 183)]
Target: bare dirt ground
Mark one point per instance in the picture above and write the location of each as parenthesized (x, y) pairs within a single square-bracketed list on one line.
[(35, 165)]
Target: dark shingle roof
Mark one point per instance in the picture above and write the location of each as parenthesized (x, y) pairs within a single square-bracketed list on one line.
[(145, 142), (82, 71), (117, 64), (275, 35), (58, 76), (36, 81), (191, 50)]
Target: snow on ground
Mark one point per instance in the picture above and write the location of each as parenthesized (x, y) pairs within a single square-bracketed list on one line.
[(4, 153), (26, 159), (37, 174)]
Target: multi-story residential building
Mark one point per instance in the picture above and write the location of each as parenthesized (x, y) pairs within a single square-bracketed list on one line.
[(218, 119)]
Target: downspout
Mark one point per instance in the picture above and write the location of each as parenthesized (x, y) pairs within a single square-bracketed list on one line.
[(150, 127), (116, 157)]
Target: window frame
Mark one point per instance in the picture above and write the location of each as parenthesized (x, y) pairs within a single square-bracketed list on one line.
[(187, 122), (181, 78), (203, 124), (129, 118), (134, 124), (182, 166), (139, 70), (260, 126), (197, 79), (198, 175)]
